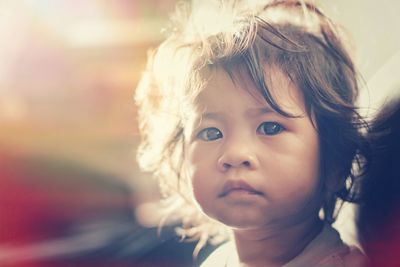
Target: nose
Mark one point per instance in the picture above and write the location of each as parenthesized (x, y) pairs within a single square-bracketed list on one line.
[(237, 155)]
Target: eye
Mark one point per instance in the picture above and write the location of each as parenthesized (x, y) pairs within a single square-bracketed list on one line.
[(209, 134), (270, 128)]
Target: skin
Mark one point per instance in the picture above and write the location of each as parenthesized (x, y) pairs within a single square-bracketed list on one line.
[(255, 170)]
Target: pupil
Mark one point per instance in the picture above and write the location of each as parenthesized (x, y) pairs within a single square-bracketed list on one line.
[(213, 134), (271, 128)]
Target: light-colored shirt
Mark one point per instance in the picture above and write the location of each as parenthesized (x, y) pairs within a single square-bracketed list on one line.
[(325, 250)]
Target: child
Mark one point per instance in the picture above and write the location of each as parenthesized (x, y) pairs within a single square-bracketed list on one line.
[(379, 215), (247, 117)]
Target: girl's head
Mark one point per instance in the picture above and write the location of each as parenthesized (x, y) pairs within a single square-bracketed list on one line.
[(286, 59)]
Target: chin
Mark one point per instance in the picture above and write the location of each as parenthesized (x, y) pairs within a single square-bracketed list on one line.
[(241, 220)]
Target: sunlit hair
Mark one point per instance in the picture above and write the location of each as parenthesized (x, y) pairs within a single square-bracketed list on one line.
[(293, 36)]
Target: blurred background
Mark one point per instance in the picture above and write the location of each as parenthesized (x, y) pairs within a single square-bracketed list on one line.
[(71, 193)]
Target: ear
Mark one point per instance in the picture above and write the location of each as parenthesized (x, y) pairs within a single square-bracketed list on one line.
[(335, 181), (329, 207)]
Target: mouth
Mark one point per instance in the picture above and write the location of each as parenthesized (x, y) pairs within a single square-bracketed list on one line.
[(235, 187)]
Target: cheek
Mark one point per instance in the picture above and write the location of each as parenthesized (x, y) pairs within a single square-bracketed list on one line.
[(198, 175), (297, 170), (309, 181), (206, 180), (307, 158), (199, 189), (203, 191)]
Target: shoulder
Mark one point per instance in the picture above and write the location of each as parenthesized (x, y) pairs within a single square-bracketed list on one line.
[(328, 250), (348, 257), (220, 256), (355, 258)]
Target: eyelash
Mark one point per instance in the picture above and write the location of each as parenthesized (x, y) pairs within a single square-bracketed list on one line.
[(212, 133)]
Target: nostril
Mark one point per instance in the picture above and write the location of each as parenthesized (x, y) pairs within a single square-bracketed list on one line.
[(225, 164)]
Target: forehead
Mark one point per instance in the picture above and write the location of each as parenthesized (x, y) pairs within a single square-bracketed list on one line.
[(222, 85)]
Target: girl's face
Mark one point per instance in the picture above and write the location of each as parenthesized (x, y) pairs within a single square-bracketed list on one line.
[(249, 166)]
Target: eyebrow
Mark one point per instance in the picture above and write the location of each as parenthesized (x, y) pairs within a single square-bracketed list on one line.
[(212, 115), (259, 111), (250, 113)]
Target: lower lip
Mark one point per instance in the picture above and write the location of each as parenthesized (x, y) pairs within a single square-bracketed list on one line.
[(236, 193)]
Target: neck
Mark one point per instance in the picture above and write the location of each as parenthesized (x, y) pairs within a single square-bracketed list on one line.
[(274, 246)]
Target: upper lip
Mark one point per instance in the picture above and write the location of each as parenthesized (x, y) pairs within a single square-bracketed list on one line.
[(231, 185)]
